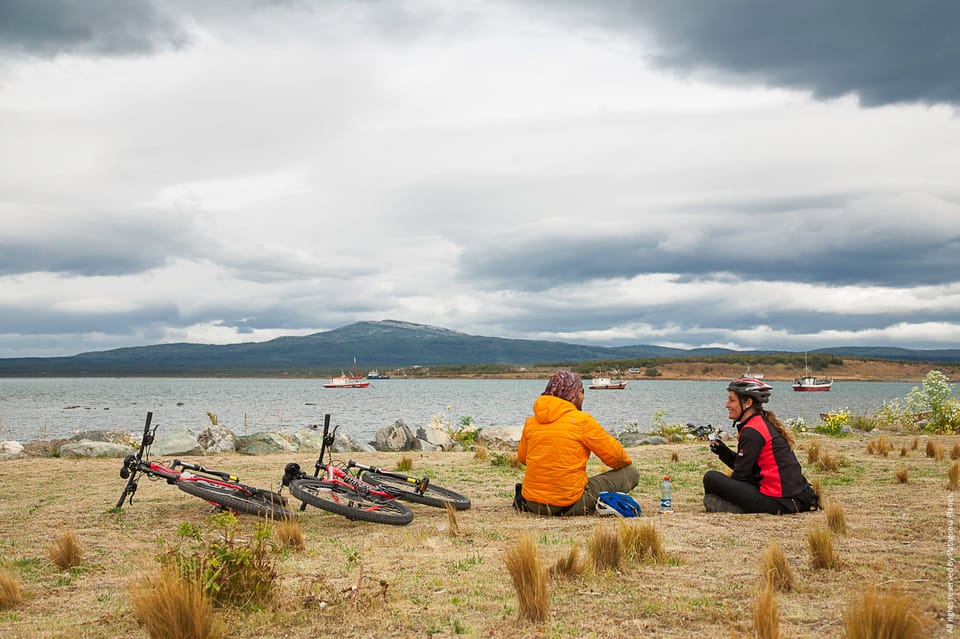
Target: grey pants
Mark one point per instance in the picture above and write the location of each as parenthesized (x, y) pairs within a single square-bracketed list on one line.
[(621, 480)]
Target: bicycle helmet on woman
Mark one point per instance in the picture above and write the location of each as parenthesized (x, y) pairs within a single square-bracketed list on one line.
[(752, 388)]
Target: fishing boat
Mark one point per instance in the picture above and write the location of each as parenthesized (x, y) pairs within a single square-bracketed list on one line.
[(607, 383), (375, 374), (808, 382), (348, 381), (752, 375)]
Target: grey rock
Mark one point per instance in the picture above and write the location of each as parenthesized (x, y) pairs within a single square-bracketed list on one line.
[(178, 441), (396, 437), (88, 448), (433, 437), (11, 450), (263, 444), (501, 439), (217, 439)]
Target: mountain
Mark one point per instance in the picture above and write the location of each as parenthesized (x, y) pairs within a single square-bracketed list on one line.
[(382, 344)]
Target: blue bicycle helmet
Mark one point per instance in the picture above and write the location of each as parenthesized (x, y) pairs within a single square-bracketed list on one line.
[(618, 504)]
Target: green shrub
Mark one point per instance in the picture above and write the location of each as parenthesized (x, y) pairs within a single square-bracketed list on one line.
[(231, 571), (933, 400), (834, 423)]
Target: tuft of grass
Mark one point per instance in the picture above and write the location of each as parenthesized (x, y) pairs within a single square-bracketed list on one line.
[(903, 474), (570, 565), (289, 534), (453, 525), (529, 579), (828, 462), (65, 551), (872, 614), (640, 540), (775, 570), (820, 544), (10, 595), (405, 464), (836, 518), (955, 451), (953, 475), (931, 449), (766, 615), (938, 452), (173, 608), (480, 453), (915, 444), (818, 488), (903, 451), (813, 452), (606, 548), (674, 456)]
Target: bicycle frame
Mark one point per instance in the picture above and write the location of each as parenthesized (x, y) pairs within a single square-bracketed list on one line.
[(135, 464)]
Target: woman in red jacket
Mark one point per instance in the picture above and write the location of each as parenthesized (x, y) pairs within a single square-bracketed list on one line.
[(766, 475), (556, 443)]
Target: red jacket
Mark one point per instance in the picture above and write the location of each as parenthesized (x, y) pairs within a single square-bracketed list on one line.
[(555, 445)]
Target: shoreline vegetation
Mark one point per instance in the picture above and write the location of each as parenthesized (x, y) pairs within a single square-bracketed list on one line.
[(773, 368)]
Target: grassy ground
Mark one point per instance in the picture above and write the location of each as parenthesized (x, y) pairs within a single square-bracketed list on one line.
[(358, 579)]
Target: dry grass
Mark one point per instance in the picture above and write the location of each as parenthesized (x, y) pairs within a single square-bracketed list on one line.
[(813, 452), (766, 614), (902, 474), (674, 457), (931, 449), (289, 534), (836, 517), (606, 547), (953, 475), (453, 524), (169, 607), (641, 540), (903, 451), (480, 453), (570, 565), (529, 578), (775, 570), (10, 595), (404, 464), (955, 451), (828, 462), (439, 585), (820, 545), (65, 551), (872, 615)]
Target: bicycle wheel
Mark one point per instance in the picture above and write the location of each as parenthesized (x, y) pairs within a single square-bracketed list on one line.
[(241, 499), (349, 502), (433, 496)]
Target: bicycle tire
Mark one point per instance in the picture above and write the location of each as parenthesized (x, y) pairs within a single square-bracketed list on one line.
[(349, 502), (253, 501), (434, 495)]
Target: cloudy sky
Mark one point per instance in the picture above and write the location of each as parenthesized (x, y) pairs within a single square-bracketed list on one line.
[(746, 174)]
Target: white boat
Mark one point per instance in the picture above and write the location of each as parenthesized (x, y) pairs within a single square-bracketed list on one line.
[(606, 383), (375, 374), (809, 383), (348, 381), (752, 375)]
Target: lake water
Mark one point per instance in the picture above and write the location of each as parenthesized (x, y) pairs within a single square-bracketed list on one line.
[(32, 409)]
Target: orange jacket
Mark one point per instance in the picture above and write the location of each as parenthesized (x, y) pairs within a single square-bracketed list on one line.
[(555, 445)]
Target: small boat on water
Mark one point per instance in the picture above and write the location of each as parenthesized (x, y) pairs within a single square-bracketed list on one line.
[(607, 383), (375, 374), (808, 382), (752, 375), (348, 381)]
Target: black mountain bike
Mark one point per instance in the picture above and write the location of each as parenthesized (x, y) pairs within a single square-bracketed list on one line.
[(217, 487)]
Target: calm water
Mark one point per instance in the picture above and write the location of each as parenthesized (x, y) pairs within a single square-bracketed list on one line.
[(33, 409)]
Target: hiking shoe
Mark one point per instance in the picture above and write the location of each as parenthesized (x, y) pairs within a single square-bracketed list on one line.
[(518, 502), (716, 504)]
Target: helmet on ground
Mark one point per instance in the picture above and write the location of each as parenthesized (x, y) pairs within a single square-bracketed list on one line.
[(617, 504), (750, 387)]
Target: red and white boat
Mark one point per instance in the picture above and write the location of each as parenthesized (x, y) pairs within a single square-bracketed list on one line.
[(348, 381), (808, 382)]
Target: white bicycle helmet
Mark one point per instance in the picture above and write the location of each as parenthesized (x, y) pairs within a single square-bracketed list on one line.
[(617, 504)]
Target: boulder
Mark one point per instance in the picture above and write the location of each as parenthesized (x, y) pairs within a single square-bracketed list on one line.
[(11, 450), (343, 443), (433, 437), (178, 441), (501, 439), (112, 436), (396, 437), (89, 448), (263, 444), (217, 439), (305, 440)]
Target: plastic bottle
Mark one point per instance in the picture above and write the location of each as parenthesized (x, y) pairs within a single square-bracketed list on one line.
[(666, 496)]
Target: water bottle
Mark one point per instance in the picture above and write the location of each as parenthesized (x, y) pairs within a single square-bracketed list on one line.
[(666, 496)]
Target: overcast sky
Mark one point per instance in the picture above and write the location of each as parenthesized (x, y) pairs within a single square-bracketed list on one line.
[(748, 174)]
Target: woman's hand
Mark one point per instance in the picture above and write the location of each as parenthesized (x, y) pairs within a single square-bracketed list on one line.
[(717, 447)]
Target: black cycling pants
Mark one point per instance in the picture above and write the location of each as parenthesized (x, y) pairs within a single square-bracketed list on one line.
[(746, 495)]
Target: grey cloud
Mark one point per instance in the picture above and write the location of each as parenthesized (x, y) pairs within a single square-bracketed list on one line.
[(46, 28), (882, 51)]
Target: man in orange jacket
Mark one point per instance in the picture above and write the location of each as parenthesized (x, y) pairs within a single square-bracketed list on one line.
[(556, 443)]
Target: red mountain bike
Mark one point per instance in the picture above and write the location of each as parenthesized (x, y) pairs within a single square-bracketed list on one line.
[(217, 487), (369, 493)]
